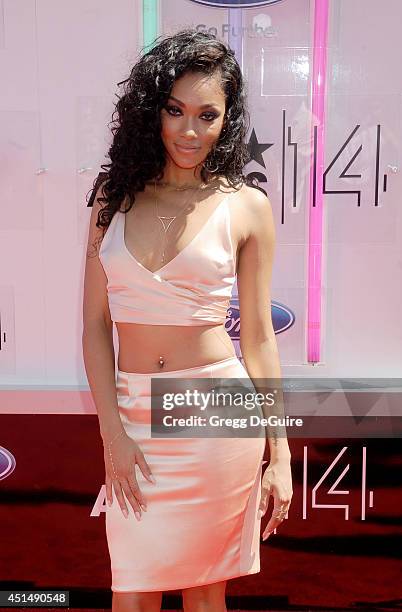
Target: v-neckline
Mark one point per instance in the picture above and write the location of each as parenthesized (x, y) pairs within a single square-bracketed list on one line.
[(159, 270)]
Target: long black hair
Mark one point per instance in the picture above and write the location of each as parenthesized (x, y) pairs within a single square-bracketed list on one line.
[(137, 152)]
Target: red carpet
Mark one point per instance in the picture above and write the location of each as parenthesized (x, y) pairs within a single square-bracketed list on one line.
[(49, 540)]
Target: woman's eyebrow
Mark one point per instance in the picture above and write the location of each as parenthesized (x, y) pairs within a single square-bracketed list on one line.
[(202, 105)]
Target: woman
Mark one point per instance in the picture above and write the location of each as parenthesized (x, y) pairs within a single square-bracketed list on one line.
[(180, 222)]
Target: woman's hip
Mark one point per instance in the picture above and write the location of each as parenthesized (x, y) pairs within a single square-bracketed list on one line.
[(147, 384), (206, 401)]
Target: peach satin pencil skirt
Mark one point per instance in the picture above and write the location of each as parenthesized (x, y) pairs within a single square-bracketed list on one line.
[(201, 523)]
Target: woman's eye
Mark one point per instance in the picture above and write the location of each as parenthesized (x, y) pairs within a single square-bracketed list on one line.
[(171, 108), (212, 116)]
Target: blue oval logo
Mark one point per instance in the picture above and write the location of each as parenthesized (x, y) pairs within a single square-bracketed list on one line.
[(236, 3), (282, 318), (7, 463)]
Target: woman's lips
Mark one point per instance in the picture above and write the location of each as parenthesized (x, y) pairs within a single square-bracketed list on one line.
[(186, 150)]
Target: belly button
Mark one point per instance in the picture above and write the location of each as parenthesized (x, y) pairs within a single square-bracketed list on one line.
[(161, 362)]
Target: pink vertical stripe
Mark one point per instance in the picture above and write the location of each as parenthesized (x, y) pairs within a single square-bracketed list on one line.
[(318, 98)]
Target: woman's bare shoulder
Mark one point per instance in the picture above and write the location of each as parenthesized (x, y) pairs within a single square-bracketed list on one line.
[(249, 207)]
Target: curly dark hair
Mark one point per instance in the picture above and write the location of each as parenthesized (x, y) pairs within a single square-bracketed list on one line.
[(137, 127)]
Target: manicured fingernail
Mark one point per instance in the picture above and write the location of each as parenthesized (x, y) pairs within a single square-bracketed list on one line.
[(143, 506), (125, 513), (259, 514), (138, 515), (109, 503), (152, 478)]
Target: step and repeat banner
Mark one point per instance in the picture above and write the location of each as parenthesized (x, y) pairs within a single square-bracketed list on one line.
[(324, 97)]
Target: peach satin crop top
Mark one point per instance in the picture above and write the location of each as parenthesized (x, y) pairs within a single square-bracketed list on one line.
[(193, 288)]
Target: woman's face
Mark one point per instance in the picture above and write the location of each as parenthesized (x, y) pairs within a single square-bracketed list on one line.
[(193, 118)]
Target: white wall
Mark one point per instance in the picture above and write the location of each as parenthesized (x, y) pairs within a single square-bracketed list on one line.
[(59, 65)]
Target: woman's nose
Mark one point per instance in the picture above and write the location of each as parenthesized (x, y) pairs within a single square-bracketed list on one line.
[(189, 138), (188, 128)]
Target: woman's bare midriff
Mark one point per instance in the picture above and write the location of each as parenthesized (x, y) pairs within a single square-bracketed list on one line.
[(180, 346)]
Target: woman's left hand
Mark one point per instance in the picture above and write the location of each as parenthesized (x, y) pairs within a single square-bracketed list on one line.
[(276, 481)]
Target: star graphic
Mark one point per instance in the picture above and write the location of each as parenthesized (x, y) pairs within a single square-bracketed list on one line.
[(256, 150)]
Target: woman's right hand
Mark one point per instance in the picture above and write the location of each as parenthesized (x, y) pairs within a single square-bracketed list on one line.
[(125, 454)]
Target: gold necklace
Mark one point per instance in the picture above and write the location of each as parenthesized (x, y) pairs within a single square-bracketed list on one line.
[(185, 187), (163, 217)]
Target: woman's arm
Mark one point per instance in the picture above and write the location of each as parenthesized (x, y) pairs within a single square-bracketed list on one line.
[(259, 348), (99, 359), (257, 337), (97, 335)]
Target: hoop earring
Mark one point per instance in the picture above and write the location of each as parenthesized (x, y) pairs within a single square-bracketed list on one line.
[(209, 169)]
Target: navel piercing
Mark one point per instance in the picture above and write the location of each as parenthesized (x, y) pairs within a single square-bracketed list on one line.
[(161, 361)]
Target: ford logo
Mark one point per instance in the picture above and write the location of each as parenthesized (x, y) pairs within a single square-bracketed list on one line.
[(282, 318), (7, 463), (236, 3)]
